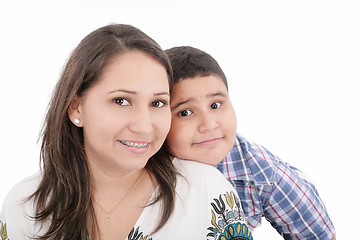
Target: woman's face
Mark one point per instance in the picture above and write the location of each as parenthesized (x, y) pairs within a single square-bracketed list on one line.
[(126, 115)]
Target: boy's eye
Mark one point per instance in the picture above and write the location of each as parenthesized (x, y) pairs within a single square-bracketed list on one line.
[(121, 101), (185, 113), (215, 105), (158, 103)]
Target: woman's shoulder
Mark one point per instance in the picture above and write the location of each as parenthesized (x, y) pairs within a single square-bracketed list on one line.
[(199, 173), (16, 199), (204, 194), (16, 209), (23, 189), (187, 167)]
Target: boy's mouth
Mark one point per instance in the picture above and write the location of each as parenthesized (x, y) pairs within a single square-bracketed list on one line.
[(208, 142)]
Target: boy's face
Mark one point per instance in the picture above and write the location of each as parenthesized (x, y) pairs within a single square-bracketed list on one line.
[(203, 125)]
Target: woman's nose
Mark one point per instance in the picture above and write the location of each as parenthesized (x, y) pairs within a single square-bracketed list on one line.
[(141, 121)]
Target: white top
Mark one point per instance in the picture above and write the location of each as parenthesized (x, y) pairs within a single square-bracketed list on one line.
[(206, 207)]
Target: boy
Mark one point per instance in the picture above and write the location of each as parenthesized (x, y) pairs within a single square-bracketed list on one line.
[(203, 129)]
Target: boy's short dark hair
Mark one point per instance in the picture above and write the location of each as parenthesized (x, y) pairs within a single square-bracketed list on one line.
[(189, 62)]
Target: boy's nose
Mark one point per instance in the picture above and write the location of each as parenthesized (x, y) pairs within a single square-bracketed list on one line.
[(207, 123)]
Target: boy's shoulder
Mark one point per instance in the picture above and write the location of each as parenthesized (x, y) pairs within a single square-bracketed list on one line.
[(248, 161)]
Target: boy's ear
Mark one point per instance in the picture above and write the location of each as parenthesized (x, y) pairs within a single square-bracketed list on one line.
[(74, 112)]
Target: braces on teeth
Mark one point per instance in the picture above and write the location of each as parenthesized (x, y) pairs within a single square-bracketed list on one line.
[(135, 145)]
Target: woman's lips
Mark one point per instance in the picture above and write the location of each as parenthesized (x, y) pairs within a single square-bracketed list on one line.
[(135, 146)]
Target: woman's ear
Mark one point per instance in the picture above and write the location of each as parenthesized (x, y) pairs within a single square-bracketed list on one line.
[(74, 112)]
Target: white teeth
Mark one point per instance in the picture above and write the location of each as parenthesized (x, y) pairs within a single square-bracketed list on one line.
[(135, 145)]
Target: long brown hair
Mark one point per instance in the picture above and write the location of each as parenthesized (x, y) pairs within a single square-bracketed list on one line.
[(63, 199)]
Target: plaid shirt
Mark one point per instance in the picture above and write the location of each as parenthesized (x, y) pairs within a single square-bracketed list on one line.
[(272, 188)]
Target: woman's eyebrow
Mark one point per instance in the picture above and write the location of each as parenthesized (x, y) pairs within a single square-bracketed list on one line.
[(123, 90), (162, 93), (134, 92)]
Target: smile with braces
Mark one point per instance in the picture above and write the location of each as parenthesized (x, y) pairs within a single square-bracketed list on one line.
[(135, 145)]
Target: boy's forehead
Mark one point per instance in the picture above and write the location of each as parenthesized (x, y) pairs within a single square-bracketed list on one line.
[(202, 77), (197, 81), (198, 86)]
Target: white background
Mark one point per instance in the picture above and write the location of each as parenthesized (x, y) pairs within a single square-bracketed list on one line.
[(293, 71)]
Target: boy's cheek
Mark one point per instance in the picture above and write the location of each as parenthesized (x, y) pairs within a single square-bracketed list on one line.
[(231, 123), (174, 138), (179, 139)]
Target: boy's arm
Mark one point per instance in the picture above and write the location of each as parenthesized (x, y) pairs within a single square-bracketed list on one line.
[(295, 208), (284, 196)]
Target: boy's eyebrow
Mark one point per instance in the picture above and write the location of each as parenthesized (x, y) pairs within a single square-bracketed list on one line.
[(221, 94), (183, 102), (134, 92)]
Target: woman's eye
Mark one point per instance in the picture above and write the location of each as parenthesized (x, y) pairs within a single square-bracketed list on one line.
[(185, 113), (215, 105), (158, 104), (121, 101)]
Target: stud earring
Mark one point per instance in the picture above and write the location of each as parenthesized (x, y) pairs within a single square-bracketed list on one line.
[(77, 121)]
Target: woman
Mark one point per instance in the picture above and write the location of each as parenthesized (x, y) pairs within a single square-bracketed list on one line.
[(103, 174)]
